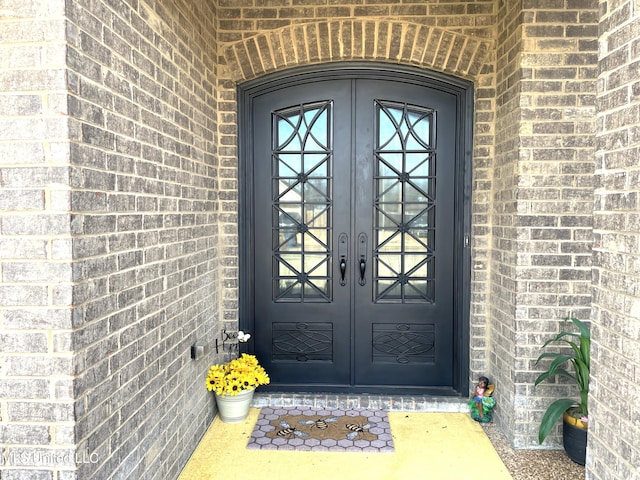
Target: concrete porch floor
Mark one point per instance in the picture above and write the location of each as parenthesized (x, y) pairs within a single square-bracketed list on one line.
[(542, 464)]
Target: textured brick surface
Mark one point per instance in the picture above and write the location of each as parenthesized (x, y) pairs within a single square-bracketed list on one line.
[(614, 438), (36, 363), (350, 39), (144, 211), (109, 236), (542, 198), (119, 201)]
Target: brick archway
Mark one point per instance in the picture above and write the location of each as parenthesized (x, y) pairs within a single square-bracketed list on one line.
[(341, 40)]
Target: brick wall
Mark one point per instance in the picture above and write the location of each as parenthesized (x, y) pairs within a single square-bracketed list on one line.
[(543, 188), (36, 361), (110, 241), (503, 213), (239, 18), (614, 433), (554, 189), (144, 219)]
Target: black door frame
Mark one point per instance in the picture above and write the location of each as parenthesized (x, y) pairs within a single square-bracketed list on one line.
[(462, 89)]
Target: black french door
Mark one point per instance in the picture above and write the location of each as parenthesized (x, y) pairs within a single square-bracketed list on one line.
[(354, 234)]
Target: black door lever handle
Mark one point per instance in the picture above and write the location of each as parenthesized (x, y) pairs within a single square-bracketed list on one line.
[(343, 250), (362, 254)]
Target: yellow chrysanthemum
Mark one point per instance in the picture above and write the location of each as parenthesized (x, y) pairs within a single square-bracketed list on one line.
[(236, 375), (234, 387)]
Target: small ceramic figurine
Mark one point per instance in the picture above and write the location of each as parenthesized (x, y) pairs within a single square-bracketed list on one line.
[(481, 402), (478, 393)]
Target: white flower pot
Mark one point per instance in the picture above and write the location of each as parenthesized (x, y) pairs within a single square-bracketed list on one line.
[(234, 408)]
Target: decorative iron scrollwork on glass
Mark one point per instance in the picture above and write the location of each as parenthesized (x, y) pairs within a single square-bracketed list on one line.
[(404, 206), (404, 343), (302, 342), (301, 184)]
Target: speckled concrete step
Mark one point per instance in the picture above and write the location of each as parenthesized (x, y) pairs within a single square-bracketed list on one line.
[(402, 403)]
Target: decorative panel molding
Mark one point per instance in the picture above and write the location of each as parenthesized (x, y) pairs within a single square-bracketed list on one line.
[(302, 342), (403, 343)]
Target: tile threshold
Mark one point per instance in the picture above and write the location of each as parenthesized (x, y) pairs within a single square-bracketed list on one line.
[(399, 403)]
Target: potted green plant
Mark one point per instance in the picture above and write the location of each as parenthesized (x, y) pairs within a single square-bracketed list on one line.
[(575, 413)]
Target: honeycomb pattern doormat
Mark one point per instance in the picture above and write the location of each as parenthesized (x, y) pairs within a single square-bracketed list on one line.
[(322, 430)]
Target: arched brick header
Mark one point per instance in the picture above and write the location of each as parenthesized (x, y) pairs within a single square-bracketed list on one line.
[(387, 41)]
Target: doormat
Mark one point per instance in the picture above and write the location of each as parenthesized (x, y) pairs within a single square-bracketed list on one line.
[(322, 430)]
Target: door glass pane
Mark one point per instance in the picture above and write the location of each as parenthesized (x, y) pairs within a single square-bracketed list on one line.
[(390, 164), (317, 164), (391, 192), (404, 250), (301, 160)]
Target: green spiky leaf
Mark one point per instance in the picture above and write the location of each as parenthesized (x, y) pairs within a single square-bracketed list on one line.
[(552, 415), (580, 359)]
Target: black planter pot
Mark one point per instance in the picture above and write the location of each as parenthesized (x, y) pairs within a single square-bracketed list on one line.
[(574, 440)]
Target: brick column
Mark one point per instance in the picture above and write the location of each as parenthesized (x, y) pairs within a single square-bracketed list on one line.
[(614, 432), (36, 317), (108, 236), (543, 187)]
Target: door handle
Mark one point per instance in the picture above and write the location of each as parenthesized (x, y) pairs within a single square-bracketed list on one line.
[(343, 253), (343, 270), (362, 256)]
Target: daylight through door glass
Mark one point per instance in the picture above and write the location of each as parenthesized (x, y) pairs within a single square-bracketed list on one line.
[(301, 188), (404, 205)]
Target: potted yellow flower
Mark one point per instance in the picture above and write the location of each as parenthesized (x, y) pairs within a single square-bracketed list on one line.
[(233, 384)]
